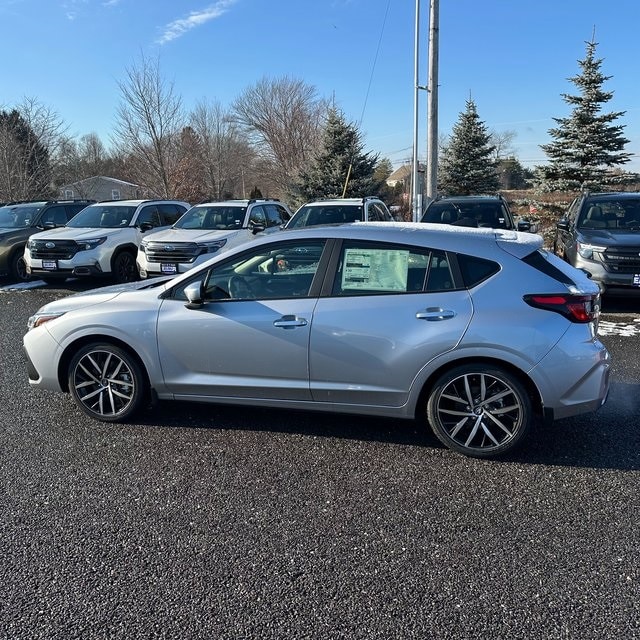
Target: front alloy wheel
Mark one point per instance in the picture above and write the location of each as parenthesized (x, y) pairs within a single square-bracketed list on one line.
[(124, 267), (106, 382), (480, 411)]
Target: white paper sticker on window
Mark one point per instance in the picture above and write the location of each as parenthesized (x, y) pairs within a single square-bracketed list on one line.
[(375, 269)]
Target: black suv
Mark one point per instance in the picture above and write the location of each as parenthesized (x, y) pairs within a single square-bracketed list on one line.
[(474, 211), (600, 234), (20, 220)]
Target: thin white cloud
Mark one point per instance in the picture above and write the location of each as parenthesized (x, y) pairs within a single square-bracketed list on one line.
[(110, 3), (179, 27)]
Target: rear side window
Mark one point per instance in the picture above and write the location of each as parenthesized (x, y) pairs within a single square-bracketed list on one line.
[(475, 270)]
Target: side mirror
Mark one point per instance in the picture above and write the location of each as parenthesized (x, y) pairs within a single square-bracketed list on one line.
[(524, 225), (257, 228), (195, 295), (563, 224), (145, 226)]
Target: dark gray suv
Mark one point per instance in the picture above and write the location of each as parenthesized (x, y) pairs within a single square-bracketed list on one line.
[(600, 234), (474, 211), (20, 220)]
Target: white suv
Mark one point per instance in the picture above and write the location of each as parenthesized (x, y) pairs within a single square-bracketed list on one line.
[(102, 240), (340, 210), (204, 230)]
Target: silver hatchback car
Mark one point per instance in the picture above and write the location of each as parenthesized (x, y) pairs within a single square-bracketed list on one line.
[(475, 332)]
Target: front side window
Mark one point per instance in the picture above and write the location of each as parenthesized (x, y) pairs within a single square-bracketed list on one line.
[(283, 270), (56, 215), (376, 268), (18, 216), (169, 213), (258, 216), (276, 215)]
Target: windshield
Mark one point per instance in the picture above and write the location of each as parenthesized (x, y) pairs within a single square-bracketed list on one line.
[(103, 215), (212, 217), (613, 215), (17, 216), (311, 215)]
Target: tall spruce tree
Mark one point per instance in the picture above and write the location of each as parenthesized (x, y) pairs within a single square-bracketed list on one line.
[(466, 166), (339, 161), (586, 145)]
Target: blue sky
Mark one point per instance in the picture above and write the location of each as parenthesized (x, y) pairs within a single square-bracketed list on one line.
[(512, 57)]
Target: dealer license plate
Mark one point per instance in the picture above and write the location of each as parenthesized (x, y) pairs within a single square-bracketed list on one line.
[(50, 265), (169, 267), (636, 279)]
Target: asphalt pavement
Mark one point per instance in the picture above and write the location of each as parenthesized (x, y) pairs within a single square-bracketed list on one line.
[(203, 521)]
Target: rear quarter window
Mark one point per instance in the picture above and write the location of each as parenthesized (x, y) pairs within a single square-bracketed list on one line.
[(538, 261), (476, 270)]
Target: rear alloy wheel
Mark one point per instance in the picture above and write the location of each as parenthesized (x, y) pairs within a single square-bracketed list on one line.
[(106, 382), (480, 411), (124, 267)]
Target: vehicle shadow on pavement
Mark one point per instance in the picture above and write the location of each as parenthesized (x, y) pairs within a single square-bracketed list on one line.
[(606, 439)]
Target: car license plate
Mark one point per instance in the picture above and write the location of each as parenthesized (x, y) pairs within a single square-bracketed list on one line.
[(169, 267), (50, 265), (636, 279)]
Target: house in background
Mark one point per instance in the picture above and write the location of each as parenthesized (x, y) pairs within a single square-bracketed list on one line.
[(101, 188)]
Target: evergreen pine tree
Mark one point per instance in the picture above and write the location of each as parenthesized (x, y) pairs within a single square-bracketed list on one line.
[(586, 145), (466, 166), (340, 160)]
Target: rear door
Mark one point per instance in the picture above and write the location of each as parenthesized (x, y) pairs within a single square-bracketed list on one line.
[(391, 310)]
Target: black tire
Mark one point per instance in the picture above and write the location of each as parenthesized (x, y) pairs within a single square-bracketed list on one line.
[(106, 382), (124, 267), (18, 268), (479, 410)]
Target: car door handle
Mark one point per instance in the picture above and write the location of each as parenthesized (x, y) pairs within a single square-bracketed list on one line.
[(289, 322), (432, 314)]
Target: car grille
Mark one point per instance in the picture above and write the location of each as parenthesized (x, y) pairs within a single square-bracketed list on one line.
[(184, 252), (622, 259), (53, 250)]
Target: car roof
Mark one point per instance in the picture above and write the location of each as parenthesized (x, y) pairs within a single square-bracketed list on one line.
[(613, 195), (130, 203), (336, 201), (474, 198), (472, 240)]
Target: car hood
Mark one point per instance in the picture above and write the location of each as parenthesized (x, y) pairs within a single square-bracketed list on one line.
[(607, 237), (104, 294), (79, 233), (190, 235)]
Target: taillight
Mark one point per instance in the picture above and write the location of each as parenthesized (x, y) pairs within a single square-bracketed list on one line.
[(577, 308)]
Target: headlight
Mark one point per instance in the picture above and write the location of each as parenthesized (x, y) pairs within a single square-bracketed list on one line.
[(40, 318), (587, 250), (212, 247), (86, 245)]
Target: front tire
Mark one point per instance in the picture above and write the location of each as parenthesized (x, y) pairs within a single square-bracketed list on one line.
[(124, 267), (479, 410), (18, 268), (106, 382)]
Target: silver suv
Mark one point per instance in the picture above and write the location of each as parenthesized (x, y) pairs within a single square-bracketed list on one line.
[(339, 210), (600, 234), (102, 240), (204, 230)]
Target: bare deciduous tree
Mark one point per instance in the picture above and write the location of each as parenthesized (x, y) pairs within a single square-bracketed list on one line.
[(284, 118), (225, 152), (149, 122), (502, 141)]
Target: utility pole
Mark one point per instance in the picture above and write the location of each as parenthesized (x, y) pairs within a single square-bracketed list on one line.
[(431, 177), (416, 198)]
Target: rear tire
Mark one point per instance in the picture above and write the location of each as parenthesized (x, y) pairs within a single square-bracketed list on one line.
[(480, 410)]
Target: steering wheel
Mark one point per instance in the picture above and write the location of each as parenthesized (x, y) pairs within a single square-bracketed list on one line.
[(239, 288)]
